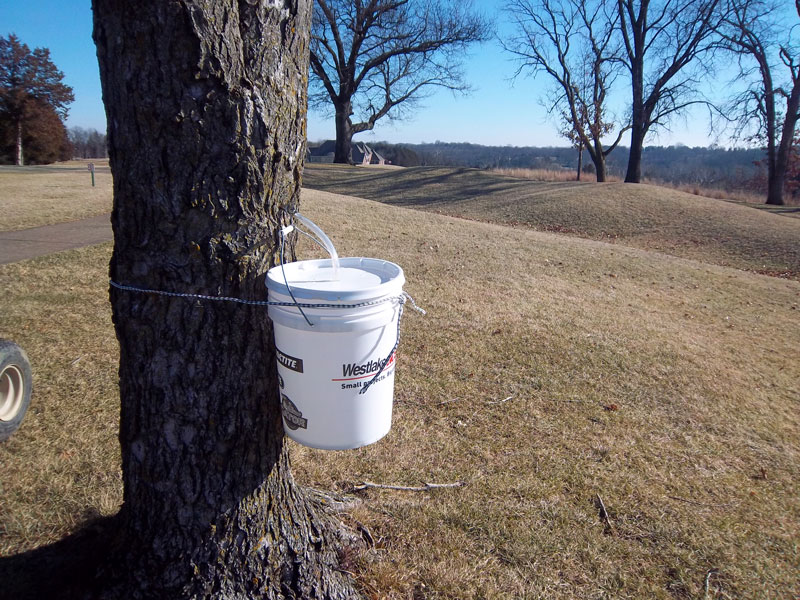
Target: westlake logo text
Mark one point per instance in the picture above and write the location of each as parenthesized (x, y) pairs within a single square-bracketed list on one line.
[(354, 370)]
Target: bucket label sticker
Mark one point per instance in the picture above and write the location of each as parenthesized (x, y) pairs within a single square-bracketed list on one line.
[(352, 373), (292, 415), (290, 362)]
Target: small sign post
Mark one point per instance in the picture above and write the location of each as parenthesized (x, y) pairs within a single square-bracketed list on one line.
[(90, 166)]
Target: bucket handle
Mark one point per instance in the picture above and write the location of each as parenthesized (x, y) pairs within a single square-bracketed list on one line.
[(283, 233), (385, 362)]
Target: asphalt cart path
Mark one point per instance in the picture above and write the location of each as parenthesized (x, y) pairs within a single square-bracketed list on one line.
[(38, 241)]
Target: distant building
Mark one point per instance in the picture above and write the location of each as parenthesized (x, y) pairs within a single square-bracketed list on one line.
[(366, 154), (362, 154), (321, 153), (380, 159)]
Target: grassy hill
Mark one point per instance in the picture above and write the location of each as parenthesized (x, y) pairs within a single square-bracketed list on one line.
[(641, 216), (626, 423)]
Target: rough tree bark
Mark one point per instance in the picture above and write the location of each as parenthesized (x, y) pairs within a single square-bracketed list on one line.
[(206, 106)]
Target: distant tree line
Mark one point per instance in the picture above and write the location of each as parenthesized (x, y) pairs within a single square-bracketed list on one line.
[(711, 167), (88, 143)]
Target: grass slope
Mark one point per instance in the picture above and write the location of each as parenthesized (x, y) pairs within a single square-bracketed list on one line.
[(549, 371), (642, 216)]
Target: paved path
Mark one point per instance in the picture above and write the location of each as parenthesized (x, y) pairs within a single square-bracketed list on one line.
[(30, 243)]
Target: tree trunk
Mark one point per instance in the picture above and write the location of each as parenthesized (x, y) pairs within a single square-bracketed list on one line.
[(780, 163), (206, 110), (775, 189), (634, 172), (343, 152), (580, 161), (600, 168), (638, 116), (18, 155), (598, 159), (774, 182)]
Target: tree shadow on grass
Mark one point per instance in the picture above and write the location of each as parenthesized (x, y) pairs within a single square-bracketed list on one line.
[(404, 188), (64, 570), (427, 187)]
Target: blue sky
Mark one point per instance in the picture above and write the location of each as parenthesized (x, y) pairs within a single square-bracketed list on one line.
[(497, 112)]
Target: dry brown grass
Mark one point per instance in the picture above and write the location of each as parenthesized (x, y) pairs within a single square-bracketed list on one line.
[(549, 174), (48, 194), (62, 466), (740, 196), (547, 371), (641, 216)]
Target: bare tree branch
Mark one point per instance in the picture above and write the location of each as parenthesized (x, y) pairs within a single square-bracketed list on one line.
[(405, 488), (573, 43), (659, 51), (373, 59), (751, 32)]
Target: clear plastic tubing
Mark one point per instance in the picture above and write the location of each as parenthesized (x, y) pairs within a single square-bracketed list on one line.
[(324, 241)]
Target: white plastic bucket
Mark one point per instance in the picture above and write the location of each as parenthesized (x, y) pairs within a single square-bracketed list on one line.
[(324, 367)]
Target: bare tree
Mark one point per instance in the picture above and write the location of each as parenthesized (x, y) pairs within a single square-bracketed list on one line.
[(768, 109), (573, 42), (663, 40), (206, 107), (373, 58)]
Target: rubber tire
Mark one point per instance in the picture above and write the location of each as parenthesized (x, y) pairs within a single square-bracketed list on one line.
[(15, 387)]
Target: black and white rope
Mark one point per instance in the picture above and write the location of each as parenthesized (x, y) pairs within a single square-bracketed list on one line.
[(400, 299)]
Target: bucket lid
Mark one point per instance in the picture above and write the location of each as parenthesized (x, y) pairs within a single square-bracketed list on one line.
[(356, 279)]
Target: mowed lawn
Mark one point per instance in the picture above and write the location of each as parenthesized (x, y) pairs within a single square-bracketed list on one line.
[(43, 195), (626, 422)]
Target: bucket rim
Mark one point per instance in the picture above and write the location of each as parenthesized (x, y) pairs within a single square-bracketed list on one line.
[(390, 275)]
